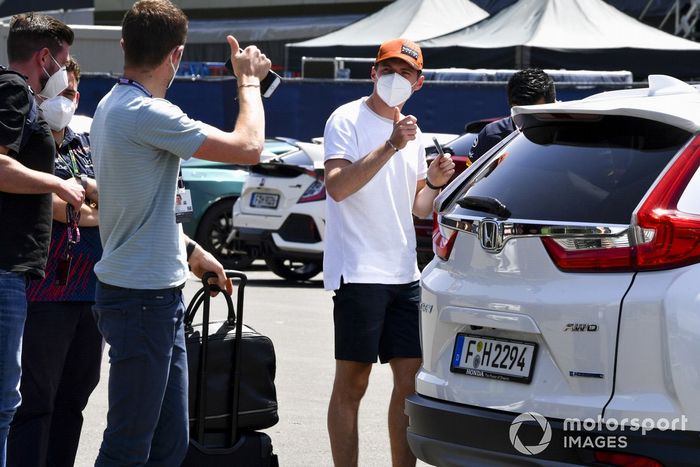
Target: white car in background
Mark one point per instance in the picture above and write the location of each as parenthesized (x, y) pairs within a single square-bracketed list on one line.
[(280, 215), (560, 319)]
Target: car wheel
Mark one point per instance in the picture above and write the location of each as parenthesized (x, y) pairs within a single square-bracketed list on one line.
[(212, 232), (294, 270)]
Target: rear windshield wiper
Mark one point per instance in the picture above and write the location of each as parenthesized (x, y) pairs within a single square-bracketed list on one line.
[(486, 204)]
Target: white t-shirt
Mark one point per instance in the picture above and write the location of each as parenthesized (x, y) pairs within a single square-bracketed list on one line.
[(369, 236)]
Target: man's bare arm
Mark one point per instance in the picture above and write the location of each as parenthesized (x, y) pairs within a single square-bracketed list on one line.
[(439, 173), (89, 216), (201, 261), (18, 179), (343, 178), (245, 143)]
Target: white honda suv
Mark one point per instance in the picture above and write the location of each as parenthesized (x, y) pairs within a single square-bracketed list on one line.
[(560, 319)]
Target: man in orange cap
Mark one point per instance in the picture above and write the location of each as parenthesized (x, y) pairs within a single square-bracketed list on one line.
[(376, 177)]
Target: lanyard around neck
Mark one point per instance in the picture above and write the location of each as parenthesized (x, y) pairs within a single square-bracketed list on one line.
[(74, 163), (136, 84)]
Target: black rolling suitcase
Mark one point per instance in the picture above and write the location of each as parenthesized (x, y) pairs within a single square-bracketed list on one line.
[(221, 440)]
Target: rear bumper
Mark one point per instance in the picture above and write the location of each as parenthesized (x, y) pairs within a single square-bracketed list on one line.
[(259, 243), (448, 434)]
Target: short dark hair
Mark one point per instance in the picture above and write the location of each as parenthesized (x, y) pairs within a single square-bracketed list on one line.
[(528, 86), (30, 32), (151, 29), (72, 66)]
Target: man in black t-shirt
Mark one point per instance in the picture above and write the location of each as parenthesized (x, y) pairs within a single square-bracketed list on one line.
[(56, 385), (526, 87), (37, 48)]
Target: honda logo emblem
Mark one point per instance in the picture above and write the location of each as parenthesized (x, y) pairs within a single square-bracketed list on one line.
[(490, 235)]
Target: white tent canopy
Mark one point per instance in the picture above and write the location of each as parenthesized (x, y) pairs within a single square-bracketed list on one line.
[(570, 34), (412, 19), (562, 25)]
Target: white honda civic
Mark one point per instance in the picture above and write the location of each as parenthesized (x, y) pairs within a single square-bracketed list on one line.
[(280, 215), (560, 319)]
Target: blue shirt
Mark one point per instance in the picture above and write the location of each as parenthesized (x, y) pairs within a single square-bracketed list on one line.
[(491, 135), (137, 144), (80, 285)]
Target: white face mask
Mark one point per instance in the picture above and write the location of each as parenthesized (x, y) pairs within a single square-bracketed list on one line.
[(58, 112), (172, 65), (394, 89), (56, 82)]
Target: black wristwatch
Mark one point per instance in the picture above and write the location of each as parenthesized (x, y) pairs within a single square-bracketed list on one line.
[(191, 245)]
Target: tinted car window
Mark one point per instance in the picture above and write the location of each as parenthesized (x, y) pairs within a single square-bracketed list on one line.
[(461, 145), (580, 171)]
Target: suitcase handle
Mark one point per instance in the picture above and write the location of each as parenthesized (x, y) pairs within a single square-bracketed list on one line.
[(235, 318), (207, 287)]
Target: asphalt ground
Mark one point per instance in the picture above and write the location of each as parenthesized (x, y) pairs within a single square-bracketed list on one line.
[(298, 318)]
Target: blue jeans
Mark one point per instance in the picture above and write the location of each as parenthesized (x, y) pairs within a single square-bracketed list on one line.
[(61, 356), (13, 311), (147, 421)]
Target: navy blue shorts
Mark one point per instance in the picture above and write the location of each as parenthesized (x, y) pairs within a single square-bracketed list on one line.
[(376, 320)]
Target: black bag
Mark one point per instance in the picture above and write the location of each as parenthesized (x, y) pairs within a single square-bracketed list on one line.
[(233, 368), (253, 449)]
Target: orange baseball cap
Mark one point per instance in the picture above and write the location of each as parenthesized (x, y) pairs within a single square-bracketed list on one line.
[(406, 50)]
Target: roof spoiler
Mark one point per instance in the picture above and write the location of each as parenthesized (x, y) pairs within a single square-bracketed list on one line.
[(662, 85)]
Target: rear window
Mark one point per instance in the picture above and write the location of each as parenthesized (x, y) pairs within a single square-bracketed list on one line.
[(461, 145), (578, 171)]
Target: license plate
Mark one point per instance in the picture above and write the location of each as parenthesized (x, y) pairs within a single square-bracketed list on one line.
[(264, 200), (489, 357)]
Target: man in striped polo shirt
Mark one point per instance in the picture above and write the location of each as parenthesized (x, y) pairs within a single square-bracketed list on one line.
[(138, 140)]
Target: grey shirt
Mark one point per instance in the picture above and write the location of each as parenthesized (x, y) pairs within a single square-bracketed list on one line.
[(137, 144)]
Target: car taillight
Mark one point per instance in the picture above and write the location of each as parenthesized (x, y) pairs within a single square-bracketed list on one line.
[(590, 254), (676, 239), (315, 192), (443, 239), (667, 237), (625, 460)]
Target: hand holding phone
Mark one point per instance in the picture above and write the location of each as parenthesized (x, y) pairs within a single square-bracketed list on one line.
[(439, 148), (267, 85)]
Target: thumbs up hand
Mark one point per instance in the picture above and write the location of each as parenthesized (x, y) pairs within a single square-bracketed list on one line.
[(248, 63), (404, 129)]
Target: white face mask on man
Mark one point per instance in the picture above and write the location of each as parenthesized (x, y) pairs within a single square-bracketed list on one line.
[(394, 89), (58, 112), (172, 65), (56, 83)]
